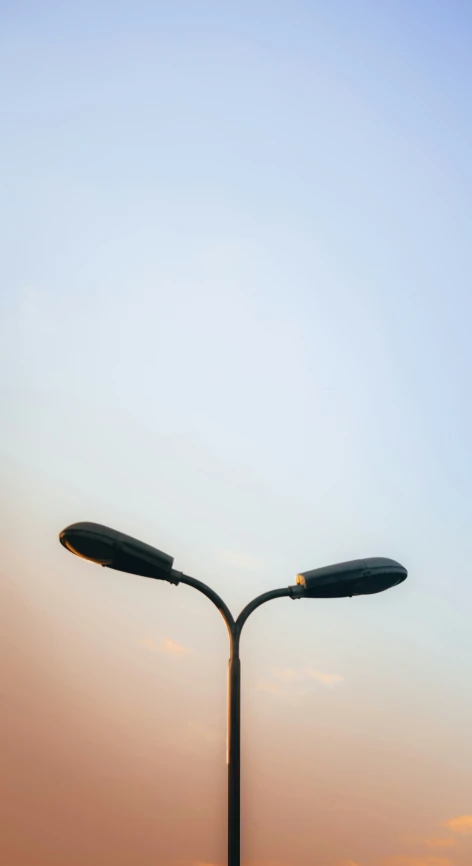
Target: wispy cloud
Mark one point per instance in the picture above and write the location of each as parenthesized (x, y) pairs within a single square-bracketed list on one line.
[(264, 863), (294, 683), (448, 842), (234, 559), (294, 675), (167, 646), (461, 825), (195, 863), (172, 648), (407, 860), (246, 863), (348, 863), (197, 738)]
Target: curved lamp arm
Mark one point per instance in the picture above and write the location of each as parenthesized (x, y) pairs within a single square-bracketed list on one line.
[(255, 603), (235, 626), (211, 594)]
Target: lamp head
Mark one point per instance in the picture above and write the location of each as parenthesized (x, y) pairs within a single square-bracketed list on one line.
[(113, 549), (357, 577)]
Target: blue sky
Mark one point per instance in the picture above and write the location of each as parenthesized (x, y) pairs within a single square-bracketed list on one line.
[(249, 227), (236, 304)]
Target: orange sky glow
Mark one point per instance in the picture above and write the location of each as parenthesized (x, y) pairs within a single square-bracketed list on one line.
[(235, 323)]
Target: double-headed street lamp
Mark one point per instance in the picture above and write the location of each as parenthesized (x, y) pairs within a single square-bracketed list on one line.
[(112, 549)]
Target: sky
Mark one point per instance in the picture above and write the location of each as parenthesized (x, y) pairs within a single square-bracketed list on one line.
[(235, 323)]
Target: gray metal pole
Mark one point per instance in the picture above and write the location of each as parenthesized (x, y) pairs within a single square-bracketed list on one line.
[(234, 702), (234, 754), (234, 726)]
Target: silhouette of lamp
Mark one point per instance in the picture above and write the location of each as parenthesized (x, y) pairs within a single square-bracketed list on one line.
[(113, 549)]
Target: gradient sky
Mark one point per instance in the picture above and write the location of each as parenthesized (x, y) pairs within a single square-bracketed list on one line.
[(236, 310)]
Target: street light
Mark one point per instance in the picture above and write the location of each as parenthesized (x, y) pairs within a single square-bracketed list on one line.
[(112, 549)]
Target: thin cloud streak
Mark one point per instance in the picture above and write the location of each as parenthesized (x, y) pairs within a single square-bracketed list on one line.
[(165, 647), (249, 863), (461, 825), (348, 863), (233, 559), (440, 843), (195, 863), (294, 683), (407, 860), (290, 675)]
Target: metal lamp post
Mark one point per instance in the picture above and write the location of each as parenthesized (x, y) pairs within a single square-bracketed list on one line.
[(112, 549)]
